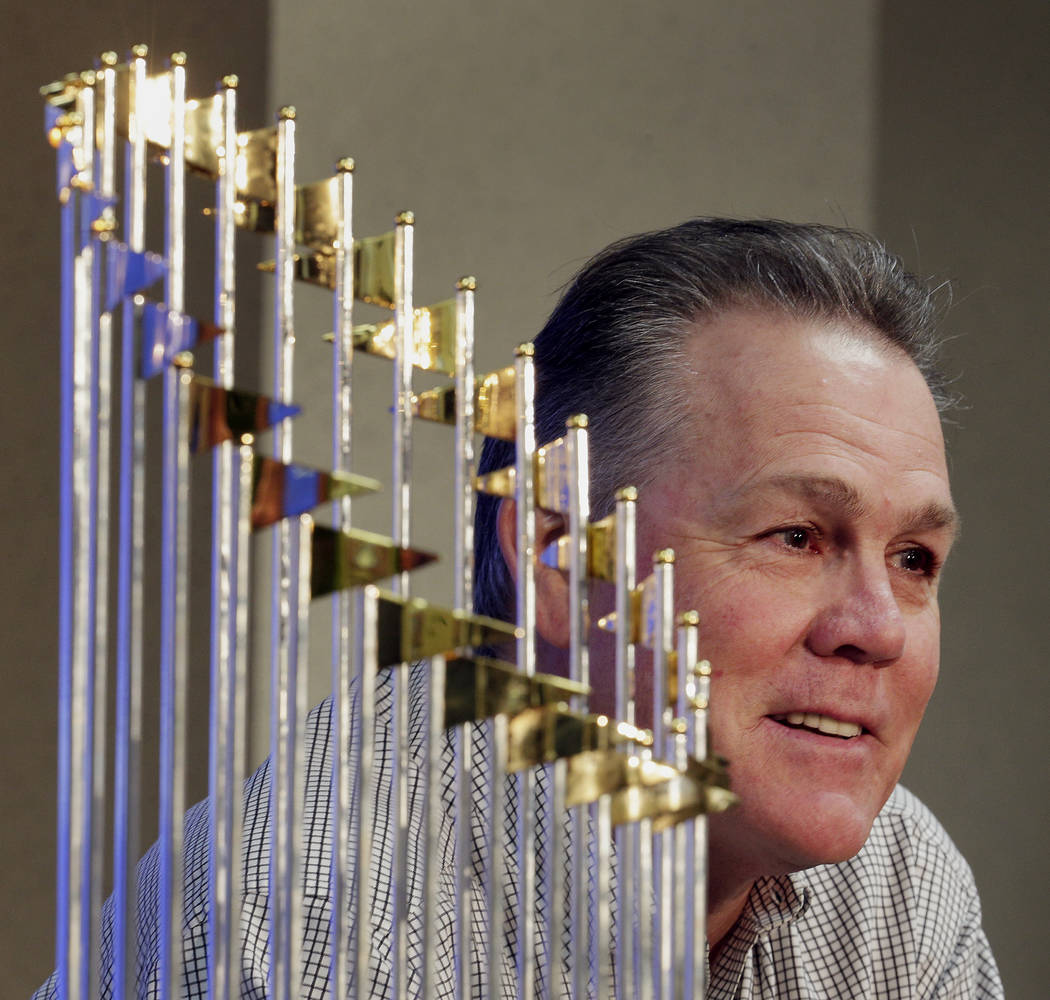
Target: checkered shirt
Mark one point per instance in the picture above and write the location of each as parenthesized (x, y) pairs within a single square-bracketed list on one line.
[(899, 920)]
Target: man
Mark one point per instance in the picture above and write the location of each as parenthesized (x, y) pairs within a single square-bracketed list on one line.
[(769, 389)]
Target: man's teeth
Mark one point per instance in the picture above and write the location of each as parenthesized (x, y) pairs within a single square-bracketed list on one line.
[(821, 723)]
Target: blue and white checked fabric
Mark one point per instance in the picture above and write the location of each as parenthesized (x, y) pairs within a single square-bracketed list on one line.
[(900, 920)]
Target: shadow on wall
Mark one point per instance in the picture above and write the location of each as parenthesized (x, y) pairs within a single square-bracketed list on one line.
[(963, 143)]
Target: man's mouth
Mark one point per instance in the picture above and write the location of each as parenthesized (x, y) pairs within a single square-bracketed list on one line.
[(823, 724)]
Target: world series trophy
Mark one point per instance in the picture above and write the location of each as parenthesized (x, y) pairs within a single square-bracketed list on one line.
[(613, 904)]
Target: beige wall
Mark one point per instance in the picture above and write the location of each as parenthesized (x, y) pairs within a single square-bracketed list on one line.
[(963, 142), (527, 136)]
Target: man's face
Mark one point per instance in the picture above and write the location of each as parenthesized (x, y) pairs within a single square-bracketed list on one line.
[(809, 516)]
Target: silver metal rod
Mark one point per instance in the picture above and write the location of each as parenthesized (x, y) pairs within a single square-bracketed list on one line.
[(663, 850), (299, 699), (627, 835), (83, 689), (242, 560), (561, 967), (402, 487), (225, 735), (342, 604), (686, 941), (644, 890), (102, 389), (367, 649), (463, 527), (130, 530), (175, 462), (701, 691), (284, 970), (525, 500), (400, 803), (579, 670), (463, 583), (432, 854), (604, 916), (76, 689), (66, 932), (465, 763), (495, 886), (402, 409)]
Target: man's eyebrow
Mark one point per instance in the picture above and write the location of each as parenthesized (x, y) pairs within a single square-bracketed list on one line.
[(828, 490), (935, 517), (834, 492)]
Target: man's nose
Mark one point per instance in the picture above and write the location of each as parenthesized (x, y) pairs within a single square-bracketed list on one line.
[(859, 619)]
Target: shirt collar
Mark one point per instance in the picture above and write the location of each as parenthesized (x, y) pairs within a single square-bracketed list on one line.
[(776, 901)]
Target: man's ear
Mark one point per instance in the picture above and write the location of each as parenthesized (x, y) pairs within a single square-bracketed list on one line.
[(552, 585)]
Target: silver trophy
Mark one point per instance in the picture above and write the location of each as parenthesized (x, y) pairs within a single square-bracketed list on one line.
[(562, 852)]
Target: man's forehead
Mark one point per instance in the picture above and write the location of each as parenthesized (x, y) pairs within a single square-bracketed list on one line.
[(747, 354)]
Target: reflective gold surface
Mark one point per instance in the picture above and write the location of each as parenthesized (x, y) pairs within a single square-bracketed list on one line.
[(541, 735), (374, 269), (280, 490), (479, 687), (434, 339), (552, 476), (601, 550), (498, 482), (411, 628), (343, 559), (218, 414), (701, 788), (494, 404), (313, 269), (648, 789), (317, 214), (255, 156), (641, 629)]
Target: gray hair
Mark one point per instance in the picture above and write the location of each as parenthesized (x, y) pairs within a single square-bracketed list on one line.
[(613, 344)]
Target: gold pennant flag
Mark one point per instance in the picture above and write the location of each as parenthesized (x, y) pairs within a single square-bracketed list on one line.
[(311, 268), (344, 559), (317, 214), (373, 269), (479, 687), (669, 799), (601, 550), (280, 490), (494, 405), (552, 476), (543, 735), (256, 153), (595, 773), (316, 207), (218, 414), (641, 629), (498, 483), (433, 338), (411, 629)]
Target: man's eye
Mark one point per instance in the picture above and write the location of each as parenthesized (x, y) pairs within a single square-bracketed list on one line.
[(916, 560), (795, 537)]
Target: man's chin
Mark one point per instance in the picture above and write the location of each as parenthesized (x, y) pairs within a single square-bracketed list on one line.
[(826, 832)]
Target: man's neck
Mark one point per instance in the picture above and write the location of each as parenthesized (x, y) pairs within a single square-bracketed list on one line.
[(722, 914)]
